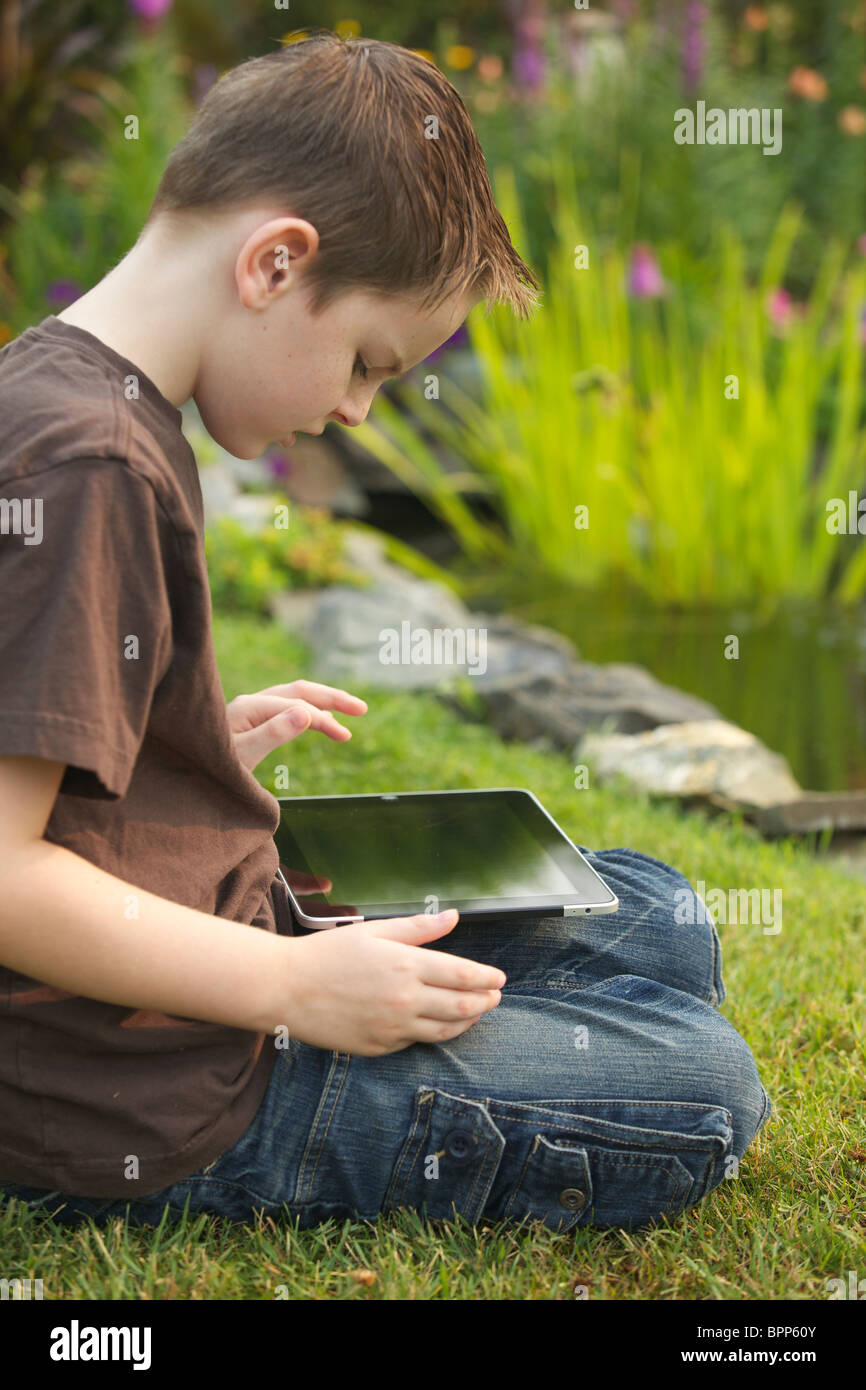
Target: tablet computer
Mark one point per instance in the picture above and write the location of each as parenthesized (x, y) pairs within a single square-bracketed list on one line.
[(490, 852)]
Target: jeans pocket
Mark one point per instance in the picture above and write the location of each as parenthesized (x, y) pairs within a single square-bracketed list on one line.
[(613, 1163), (449, 1159)]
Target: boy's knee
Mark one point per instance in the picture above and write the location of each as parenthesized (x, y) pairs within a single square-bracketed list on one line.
[(730, 1078), (673, 937)]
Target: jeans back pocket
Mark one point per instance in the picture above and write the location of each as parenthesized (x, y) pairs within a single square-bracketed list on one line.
[(449, 1159)]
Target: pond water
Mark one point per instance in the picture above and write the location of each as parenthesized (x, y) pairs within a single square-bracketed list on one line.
[(799, 682)]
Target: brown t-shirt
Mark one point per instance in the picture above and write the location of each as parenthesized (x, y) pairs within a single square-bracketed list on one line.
[(107, 665)]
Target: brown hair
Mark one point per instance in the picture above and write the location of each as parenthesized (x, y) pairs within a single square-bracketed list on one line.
[(335, 130)]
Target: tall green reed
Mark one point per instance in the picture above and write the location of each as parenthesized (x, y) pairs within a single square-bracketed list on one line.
[(699, 489)]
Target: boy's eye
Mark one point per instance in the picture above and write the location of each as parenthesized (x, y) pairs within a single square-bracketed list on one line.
[(361, 367)]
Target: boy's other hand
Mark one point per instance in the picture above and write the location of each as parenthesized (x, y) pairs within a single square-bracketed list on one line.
[(370, 988), (261, 722)]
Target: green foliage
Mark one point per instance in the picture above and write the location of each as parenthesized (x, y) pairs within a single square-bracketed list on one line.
[(76, 222), (623, 407), (55, 62), (246, 568), (613, 122)]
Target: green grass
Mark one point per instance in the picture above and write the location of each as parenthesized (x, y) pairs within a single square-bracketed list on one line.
[(793, 1218)]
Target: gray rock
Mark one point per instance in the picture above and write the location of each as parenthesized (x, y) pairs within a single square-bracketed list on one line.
[(531, 634), (848, 854), (349, 630), (295, 610), (815, 811), (365, 551), (705, 759), (558, 698)]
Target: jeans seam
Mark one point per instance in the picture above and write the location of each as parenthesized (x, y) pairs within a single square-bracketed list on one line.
[(324, 1116), (397, 1187), (540, 1122)]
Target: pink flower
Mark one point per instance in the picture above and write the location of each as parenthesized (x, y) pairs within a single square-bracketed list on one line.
[(694, 43), (861, 244), (645, 280), (150, 9), (780, 307)]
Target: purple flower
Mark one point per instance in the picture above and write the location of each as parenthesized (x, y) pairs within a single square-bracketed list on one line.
[(458, 339), (150, 9), (61, 293), (203, 79), (529, 61), (861, 244), (645, 280), (277, 464), (693, 43), (529, 65)]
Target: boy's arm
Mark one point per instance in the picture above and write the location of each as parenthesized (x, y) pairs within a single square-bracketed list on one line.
[(367, 988), (62, 922)]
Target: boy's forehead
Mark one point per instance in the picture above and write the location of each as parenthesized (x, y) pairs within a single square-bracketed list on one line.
[(406, 309), (414, 328)]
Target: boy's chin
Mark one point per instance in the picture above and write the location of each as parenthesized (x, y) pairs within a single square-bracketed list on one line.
[(239, 448)]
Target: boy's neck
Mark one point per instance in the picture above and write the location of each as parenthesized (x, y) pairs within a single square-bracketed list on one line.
[(154, 308)]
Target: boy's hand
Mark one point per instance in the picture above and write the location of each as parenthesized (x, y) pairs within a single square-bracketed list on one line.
[(370, 988), (261, 722)]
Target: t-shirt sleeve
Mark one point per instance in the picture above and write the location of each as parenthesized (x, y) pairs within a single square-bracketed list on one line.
[(85, 618)]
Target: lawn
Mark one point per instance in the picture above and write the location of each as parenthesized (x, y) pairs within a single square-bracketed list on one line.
[(793, 1218)]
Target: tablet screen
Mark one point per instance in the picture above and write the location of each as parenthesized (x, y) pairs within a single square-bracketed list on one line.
[(399, 854)]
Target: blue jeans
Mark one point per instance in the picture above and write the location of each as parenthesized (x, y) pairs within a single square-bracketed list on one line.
[(605, 1089)]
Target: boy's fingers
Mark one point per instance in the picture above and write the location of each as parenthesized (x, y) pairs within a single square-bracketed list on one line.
[(422, 927), (456, 973), (449, 1005), (434, 1030)]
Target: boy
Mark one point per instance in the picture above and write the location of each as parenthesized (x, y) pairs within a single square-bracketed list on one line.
[(307, 241)]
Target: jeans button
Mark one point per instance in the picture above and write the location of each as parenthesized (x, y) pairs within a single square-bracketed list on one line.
[(460, 1144), (572, 1198)]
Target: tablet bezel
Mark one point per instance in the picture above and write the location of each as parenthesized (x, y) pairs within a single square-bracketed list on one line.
[(507, 907)]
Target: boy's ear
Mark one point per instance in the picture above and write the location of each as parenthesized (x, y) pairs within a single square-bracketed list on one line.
[(270, 254)]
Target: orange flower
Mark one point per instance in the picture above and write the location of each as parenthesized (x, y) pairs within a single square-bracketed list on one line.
[(852, 119), (490, 67), (806, 82), (756, 18)]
